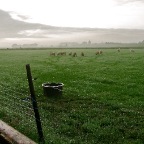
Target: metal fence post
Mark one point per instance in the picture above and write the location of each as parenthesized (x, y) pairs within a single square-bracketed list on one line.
[(34, 103)]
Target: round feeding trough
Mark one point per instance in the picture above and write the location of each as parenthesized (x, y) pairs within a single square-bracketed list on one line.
[(52, 89)]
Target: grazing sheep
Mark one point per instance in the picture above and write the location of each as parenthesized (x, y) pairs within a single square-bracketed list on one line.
[(82, 54), (75, 54), (52, 54), (131, 50), (118, 50), (70, 53), (97, 53), (58, 54), (100, 52), (64, 53), (61, 53)]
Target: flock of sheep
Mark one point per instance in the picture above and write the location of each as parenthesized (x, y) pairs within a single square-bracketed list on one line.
[(74, 54)]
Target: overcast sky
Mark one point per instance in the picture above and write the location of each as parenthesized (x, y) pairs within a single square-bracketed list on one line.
[(44, 21)]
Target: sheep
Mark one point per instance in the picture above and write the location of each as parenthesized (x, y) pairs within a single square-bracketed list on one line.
[(52, 54), (131, 50), (99, 52), (64, 53), (70, 53), (61, 53), (58, 53), (118, 50), (82, 54), (75, 54)]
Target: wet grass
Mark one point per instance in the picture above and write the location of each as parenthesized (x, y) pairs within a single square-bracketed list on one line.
[(103, 95)]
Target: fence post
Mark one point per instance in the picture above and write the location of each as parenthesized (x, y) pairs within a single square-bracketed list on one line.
[(34, 103)]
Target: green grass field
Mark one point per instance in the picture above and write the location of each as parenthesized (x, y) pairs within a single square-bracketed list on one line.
[(103, 95)]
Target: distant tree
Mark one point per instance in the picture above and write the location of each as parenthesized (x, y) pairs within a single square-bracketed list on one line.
[(89, 42), (16, 46)]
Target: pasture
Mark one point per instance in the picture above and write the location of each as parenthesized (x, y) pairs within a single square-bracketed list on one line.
[(103, 94)]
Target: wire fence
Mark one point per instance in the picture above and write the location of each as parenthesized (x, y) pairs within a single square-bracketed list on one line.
[(16, 104), (17, 108), (56, 114)]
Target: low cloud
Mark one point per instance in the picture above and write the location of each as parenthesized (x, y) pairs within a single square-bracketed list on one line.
[(10, 27), (19, 17), (12, 30)]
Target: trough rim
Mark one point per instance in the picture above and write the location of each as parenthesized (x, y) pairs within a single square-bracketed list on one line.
[(59, 84)]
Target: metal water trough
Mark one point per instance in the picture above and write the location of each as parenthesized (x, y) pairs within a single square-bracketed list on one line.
[(52, 89)]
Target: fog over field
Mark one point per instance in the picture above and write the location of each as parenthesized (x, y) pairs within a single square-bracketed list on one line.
[(31, 22)]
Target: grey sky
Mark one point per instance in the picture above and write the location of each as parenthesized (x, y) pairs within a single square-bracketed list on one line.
[(97, 20), (79, 13), (128, 1)]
